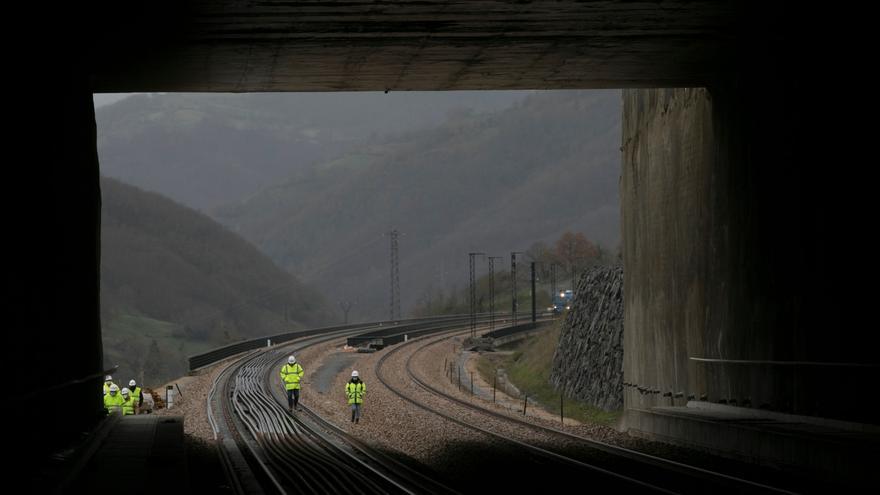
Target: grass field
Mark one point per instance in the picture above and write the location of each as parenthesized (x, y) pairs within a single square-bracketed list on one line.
[(528, 366), (128, 338)]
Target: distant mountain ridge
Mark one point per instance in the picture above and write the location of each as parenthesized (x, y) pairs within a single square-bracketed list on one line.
[(208, 150), (488, 182)]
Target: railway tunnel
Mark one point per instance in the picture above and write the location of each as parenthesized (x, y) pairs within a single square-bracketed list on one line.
[(741, 232)]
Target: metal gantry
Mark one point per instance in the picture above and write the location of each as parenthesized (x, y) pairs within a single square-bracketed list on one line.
[(513, 283), (534, 309), (345, 306), (492, 290), (473, 285)]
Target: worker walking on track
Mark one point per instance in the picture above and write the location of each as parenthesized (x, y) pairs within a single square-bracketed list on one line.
[(291, 375), (108, 382), (113, 400), (129, 405), (137, 394), (355, 390)]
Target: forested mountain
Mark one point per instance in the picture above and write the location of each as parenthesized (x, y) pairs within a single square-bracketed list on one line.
[(489, 182), (314, 180), (174, 283)]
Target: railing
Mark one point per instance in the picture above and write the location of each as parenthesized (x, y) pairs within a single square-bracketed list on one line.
[(784, 363), (210, 357), (396, 334), (523, 327)]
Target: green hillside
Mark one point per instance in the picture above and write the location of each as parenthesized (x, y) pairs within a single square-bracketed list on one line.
[(174, 283)]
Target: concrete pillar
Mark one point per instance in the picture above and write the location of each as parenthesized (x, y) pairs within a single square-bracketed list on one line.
[(732, 243), (54, 241)]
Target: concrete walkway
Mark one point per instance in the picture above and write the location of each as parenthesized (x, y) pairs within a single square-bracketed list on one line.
[(333, 365), (145, 454), (833, 450)]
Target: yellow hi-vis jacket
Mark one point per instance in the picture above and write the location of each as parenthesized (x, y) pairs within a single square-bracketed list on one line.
[(355, 392), (128, 405), (113, 403), (291, 374), (136, 394)]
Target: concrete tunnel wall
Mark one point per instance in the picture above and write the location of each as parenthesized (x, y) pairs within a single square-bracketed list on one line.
[(732, 250), (53, 219)]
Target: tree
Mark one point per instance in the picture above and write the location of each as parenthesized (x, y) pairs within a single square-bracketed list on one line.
[(544, 257), (576, 251), (539, 252)]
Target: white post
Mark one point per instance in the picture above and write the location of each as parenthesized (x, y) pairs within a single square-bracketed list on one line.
[(405, 337), (268, 342), (169, 396)]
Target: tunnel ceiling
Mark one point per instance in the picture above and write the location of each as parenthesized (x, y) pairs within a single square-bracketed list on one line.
[(406, 45)]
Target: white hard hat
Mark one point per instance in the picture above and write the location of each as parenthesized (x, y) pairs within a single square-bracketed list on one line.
[(132, 383), (126, 391), (291, 360), (114, 388), (108, 378), (354, 373)]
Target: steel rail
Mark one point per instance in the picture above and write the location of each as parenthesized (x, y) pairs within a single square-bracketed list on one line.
[(319, 463), (529, 447), (277, 437), (665, 464)]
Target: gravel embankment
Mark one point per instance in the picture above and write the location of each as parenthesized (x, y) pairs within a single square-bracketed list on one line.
[(388, 421), (459, 454), (428, 364), (395, 424), (192, 404)]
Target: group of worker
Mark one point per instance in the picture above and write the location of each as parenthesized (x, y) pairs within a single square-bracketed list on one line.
[(291, 376), (127, 401)]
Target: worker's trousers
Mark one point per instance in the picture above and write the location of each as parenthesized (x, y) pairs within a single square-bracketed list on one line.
[(293, 398)]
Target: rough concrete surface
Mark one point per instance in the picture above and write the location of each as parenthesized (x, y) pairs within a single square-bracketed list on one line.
[(411, 45)]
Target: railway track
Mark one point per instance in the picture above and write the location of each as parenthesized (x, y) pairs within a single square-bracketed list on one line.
[(265, 449), (613, 466)]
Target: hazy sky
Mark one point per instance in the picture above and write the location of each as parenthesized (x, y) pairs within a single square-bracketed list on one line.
[(102, 99)]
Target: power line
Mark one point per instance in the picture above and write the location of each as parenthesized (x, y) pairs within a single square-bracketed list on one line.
[(492, 290), (513, 282), (473, 284), (345, 306), (534, 310)]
